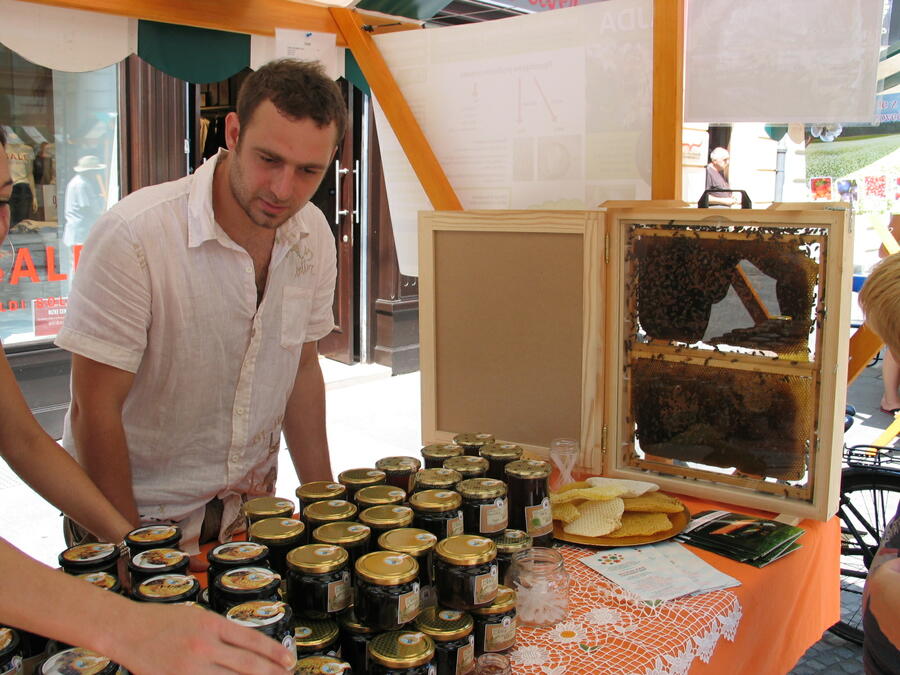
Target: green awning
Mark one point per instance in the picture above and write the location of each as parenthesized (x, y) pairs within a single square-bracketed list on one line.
[(412, 9), (198, 55), (354, 75)]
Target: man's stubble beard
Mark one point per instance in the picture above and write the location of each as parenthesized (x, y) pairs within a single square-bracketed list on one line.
[(236, 185)]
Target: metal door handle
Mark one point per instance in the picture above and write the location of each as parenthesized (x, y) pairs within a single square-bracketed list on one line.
[(338, 172)]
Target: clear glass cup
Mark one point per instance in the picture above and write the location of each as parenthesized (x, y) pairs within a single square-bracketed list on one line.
[(563, 458), (541, 582), (493, 664)]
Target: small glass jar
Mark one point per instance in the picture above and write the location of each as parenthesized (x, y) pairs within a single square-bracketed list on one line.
[(90, 558), (387, 590), (468, 466), (529, 499), (495, 625), (354, 538), (438, 511), (318, 581), (384, 518), (400, 471), (243, 584), (355, 479), (436, 479), (379, 495), (465, 572), (435, 454), (498, 456), (493, 664), (280, 535), (472, 443), (167, 589), (401, 653), (103, 580), (152, 536), (319, 491), (267, 507), (316, 637), (355, 637), (331, 511), (484, 506), (508, 544), (10, 651), (454, 644), (272, 618), (77, 660), (156, 561), (230, 556), (323, 665), (420, 545), (541, 582)]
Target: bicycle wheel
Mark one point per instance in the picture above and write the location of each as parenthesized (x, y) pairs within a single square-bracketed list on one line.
[(869, 499)]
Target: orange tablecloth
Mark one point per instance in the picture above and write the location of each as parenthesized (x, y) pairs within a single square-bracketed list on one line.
[(760, 627)]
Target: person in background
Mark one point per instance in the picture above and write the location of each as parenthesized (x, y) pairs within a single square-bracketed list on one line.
[(130, 633), (84, 201), (715, 178), (880, 300)]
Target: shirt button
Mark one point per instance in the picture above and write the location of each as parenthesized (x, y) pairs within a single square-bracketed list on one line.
[(249, 270), (234, 458), (239, 411)]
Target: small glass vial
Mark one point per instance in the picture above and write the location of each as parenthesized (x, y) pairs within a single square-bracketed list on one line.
[(472, 442), (387, 590), (272, 618), (355, 637), (152, 536), (323, 665), (379, 495), (331, 511), (436, 479), (318, 581), (495, 625), (465, 572), (529, 499), (498, 456), (541, 582), (354, 538), (77, 660), (384, 518), (316, 637), (103, 580), (401, 653), (90, 558), (484, 506), (435, 454), (508, 544), (167, 589), (454, 644), (438, 511), (399, 470), (243, 584), (267, 507), (493, 664), (280, 535), (10, 651), (420, 545), (319, 491), (156, 561), (354, 479), (563, 457), (468, 466)]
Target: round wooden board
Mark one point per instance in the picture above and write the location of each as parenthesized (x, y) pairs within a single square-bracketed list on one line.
[(679, 522)]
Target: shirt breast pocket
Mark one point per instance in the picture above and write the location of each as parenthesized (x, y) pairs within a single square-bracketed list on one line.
[(295, 308)]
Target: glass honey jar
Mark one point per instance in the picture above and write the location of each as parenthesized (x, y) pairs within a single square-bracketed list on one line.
[(498, 456), (420, 545), (454, 644), (323, 665), (280, 535), (103, 580), (318, 580), (379, 495), (156, 561), (401, 653), (355, 538), (529, 499), (473, 442), (399, 471), (100, 557), (266, 507), (465, 572), (384, 518), (387, 590), (330, 511), (228, 556), (484, 506), (319, 491), (435, 454), (243, 584), (77, 660), (508, 544), (167, 589), (436, 479), (354, 479), (468, 466), (438, 511), (355, 637), (316, 637), (272, 618), (495, 625), (152, 536)]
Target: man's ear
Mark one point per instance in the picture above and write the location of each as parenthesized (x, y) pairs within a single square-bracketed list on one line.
[(232, 130)]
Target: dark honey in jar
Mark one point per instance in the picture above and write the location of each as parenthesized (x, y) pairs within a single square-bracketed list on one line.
[(420, 545), (529, 499), (280, 535), (316, 637), (387, 589), (167, 589), (401, 653), (319, 491), (473, 442), (465, 572), (399, 471), (355, 479), (454, 644), (438, 511), (355, 637), (152, 536), (156, 561), (318, 580), (269, 617), (468, 466), (436, 479), (243, 584), (384, 518), (435, 454), (379, 495), (484, 506), (355, 538), (498, 456), (508, 544), (100, 557), (495, 625)]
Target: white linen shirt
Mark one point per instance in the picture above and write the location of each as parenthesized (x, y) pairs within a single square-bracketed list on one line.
[(162, 292)]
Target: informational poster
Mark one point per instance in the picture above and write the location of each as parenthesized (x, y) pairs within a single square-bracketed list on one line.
[(308, 46), (540, 111)]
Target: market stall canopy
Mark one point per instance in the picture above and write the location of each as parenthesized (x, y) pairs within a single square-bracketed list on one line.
[(198, 55)]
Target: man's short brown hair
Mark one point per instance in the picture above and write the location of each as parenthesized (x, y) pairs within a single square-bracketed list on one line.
[(880, 300), (299, 89)]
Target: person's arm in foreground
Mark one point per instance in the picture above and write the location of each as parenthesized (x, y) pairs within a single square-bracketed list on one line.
[(304, 419), (146, 638), (48, 469)]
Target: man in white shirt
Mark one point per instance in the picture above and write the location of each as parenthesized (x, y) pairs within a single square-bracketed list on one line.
[(194, 316)]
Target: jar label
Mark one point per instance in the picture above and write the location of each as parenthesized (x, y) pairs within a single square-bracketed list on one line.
[(238, 551), (159, 557), (339, 594), (152, 533), (257, 613), (486, 586), (539, 518), (88, 552), (493, 517), (77, 660), (465, 658), (408, 605), (501, 636), (455, 525)]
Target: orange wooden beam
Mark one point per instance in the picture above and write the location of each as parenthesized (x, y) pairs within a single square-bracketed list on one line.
[(668, 97), (397, 111), (864, 345)]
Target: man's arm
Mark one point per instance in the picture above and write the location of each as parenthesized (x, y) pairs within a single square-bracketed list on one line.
[(98, 395), (304, 419)]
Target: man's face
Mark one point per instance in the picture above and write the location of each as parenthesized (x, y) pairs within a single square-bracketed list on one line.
[(5, 192), (721, 164), (278, 163)]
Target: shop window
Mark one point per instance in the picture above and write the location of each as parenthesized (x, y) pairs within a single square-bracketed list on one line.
[(62, 145)]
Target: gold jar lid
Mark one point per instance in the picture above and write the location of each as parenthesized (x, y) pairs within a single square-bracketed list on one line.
[(444, 625), (317, 558), (472, 440), (167, 586), (438, 478), (236, 552), (442, 450), (410, 540), (467, 464), (102, 580), (268, 507), (401, 649), (466, 549), (375, 495), (481, 488), (528, 468), (318, 490), (347, 620), (398, 464), (435, 500), (387, 516), (330, 510), (152, 534), (276, 530), (386, 568), (321, 665), (358, 478), (341, 533), (310, 633), (504, 602), (501, 450), (513, 540), (247, 579), (256, 613)]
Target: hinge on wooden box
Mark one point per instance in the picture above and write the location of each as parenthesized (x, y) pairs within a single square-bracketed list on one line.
[(603, 435), (606, 248)]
